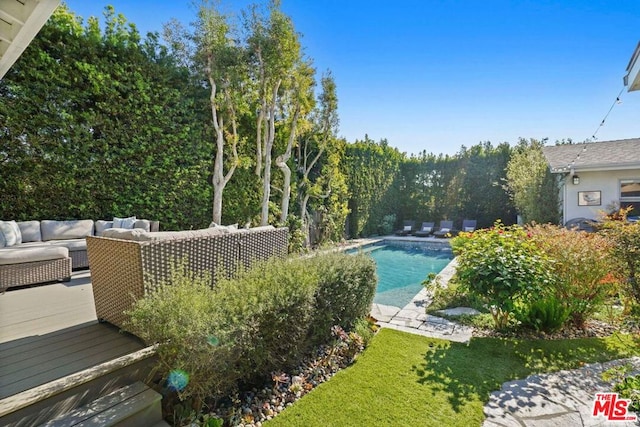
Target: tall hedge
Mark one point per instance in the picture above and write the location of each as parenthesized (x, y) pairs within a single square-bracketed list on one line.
[(100, 123)]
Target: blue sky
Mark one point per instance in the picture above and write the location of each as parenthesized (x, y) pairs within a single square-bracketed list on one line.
[(436, 75)]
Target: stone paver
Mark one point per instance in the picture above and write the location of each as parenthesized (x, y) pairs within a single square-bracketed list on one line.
[(563, 398), (413, 319)]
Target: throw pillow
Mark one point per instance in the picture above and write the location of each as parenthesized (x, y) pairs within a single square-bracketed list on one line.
[(469, 229), (127, 223), (426, 229), (407, 228), (11, 231), (445, 230)]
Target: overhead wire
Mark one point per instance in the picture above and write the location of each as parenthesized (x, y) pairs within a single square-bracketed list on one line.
[(617, 101)]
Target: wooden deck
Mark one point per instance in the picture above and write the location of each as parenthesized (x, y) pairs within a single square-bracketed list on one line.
[(48, 334)]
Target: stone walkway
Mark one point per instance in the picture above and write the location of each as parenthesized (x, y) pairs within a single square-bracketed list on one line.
[(413, 319), (563, 398)]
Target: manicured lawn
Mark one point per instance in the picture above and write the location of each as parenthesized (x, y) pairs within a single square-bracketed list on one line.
[(405, 379)]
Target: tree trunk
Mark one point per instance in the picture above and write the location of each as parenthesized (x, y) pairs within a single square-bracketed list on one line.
[(304, 216), (281, 162), (266, 176), (219, 179)]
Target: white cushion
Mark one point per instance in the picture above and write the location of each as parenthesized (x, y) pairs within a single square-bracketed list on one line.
[(126, 223), (102, 225), (59, 230), (407, 228), (144, 224), (11, 232), (72, 244), (468, 229), (427, 229), (445, 230), (22, 255), (124, 234), (224, 227), (30, 231)]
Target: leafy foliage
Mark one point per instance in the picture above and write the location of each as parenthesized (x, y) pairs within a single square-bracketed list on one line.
[(547, 314), (97, 124), (372, 169), (581, 263), (531, 185), (625, 237), (264, 320), (346, 288), (503, 266)]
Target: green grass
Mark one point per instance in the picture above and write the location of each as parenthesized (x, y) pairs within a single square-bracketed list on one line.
[(404, 379)]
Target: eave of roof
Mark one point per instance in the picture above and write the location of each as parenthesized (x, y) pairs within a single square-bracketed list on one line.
[(20, 21), (595, 156)]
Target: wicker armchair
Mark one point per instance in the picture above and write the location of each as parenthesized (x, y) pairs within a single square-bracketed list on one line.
[(125, 270)]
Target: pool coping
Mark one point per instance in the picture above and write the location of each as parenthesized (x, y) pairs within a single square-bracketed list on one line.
[(412, 318)]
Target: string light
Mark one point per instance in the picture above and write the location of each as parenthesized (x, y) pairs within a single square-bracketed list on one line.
[(570, 166), (617, 101)]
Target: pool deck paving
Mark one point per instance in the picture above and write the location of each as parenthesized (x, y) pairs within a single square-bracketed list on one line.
[(413, 319), (563, 398)]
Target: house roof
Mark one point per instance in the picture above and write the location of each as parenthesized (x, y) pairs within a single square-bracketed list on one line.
[(605, 155), (20, 21), (632, 78)]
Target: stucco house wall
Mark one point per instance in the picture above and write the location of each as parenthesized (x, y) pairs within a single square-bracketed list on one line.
[(607, 182), (599, 167)]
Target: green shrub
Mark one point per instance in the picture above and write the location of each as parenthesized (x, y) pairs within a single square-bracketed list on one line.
[(625, 237), (270, 307), (387, 225), (629, 388), (547, 314), (503, 267), (581, 266), (266, 319), (182, 316), (449, 295), (346, 287)]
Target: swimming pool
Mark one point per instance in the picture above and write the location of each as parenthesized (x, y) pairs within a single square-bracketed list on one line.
[(402, 266)]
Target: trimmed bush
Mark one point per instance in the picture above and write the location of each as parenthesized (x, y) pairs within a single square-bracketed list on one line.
[(346, 287), (501, 266), (270, 307), (266, 319)]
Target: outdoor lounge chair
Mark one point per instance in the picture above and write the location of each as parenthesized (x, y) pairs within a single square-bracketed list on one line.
[(407, 228), (469, 225), (446, 227), (425, 230)]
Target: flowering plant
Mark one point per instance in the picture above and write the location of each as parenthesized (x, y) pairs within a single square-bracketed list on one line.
[(503, 266)]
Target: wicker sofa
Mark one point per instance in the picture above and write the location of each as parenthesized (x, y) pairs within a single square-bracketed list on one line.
[(126, 265), (48, 250)]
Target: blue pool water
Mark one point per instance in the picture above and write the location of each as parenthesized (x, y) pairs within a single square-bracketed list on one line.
[(401, 268)]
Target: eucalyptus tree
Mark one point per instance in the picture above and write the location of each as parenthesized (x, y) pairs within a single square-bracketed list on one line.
[(300, 103), (274, 51), (314, 144), (213, 53)]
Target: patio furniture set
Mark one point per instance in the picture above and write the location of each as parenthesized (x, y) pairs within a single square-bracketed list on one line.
[(444, 229), (126, 263), (34, 252)]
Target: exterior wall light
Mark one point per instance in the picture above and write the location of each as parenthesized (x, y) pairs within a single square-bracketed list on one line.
[(576, 180)]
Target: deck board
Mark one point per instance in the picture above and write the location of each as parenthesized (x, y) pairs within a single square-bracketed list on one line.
[(47, 308), (51, 331)]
